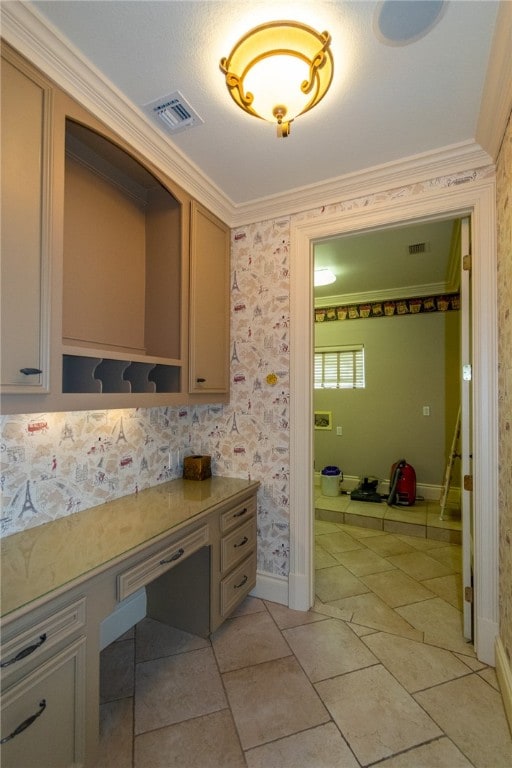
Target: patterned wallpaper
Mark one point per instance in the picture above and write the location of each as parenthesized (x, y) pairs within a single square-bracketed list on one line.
[(57, 464), (413, 306), (504, 215)]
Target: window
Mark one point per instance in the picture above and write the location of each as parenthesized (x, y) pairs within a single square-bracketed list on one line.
[(339, 367)]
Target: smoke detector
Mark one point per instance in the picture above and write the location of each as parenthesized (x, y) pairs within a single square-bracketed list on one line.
[(173, 113)]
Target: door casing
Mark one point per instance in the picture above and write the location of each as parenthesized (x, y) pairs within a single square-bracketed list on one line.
[(476, 199)]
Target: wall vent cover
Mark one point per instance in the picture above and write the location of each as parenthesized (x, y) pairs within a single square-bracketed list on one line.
[(173, 112), (418, 248)]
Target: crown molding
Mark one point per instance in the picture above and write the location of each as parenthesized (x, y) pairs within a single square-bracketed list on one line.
[(388, 294), (448, 161), (27, 31), (496, 103), (34, 37)]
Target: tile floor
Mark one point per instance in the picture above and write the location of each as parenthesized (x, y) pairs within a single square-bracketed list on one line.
[(422, 519), (377, 673)]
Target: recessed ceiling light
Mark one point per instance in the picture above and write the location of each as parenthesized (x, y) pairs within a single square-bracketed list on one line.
[(400, 22)]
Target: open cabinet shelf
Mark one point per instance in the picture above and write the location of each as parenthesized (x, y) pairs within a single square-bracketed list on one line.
[(121, 271), (111, 298), (106, 375)]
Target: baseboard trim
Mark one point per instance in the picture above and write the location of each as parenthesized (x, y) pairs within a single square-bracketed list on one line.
[(504, 674), (298, 590), (271, 587), (423, 490)]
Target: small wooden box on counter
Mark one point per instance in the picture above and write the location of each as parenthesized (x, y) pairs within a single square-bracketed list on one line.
[(197, 467)]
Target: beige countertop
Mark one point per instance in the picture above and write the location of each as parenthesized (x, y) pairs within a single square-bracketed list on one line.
[(45, 558)]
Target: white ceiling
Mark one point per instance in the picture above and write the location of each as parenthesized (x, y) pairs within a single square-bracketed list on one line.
[(387, 102)]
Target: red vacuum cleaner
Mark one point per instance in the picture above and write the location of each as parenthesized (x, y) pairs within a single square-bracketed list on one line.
[(402, 484)]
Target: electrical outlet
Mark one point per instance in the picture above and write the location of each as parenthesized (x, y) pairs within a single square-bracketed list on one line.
[(426, 410), (339, 430)]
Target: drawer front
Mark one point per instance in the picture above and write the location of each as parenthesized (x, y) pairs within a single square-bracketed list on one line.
[(33, 643), (237, 544), (237, 585), (237, 515), (43, 712), (161, 562)]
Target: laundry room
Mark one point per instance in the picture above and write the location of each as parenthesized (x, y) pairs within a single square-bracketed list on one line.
[(387, 351)]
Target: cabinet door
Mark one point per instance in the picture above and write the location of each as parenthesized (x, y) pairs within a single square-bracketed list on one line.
[(43, 714), (209, 303), (24, 174)]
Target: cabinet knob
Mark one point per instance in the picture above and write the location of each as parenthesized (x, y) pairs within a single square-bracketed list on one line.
[(200, 381), (30, 371)]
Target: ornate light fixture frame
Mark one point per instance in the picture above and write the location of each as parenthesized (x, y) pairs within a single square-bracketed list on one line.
[(280, 38)]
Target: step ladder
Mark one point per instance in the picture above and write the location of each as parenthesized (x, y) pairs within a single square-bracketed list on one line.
[(454, 454)]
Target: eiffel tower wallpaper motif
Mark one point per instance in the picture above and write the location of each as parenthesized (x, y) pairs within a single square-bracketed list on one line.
[(73, 461), (28, 505)]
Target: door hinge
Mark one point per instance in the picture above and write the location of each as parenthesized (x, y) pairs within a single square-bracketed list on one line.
[(468, 482), (466, 262), (468, 594)]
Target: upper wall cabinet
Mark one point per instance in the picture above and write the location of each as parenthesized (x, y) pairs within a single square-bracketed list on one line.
[(122, 297), (25, 177), (209, 303), (137, 310)]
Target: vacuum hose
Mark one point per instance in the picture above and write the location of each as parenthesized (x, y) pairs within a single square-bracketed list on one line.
[(394, 482)]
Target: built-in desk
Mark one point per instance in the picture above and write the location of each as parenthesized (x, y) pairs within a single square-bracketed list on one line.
[(191, 544)]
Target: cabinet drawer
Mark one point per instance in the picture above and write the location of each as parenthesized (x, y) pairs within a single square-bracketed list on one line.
[(47, 708), (23, 648), (237, 585), (165, 559), (237, 544), (237, 515)]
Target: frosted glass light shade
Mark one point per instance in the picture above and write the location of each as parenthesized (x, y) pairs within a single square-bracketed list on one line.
[(278, 71), (324, 277)]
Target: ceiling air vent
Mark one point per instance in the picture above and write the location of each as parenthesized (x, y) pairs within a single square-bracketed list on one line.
[(173, 112), (418, 248)]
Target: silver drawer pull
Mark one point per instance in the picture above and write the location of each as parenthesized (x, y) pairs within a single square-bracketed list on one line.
[(242, 512), (241, 543), (26, 723), (25, 652), (174, 557), (244, 580)]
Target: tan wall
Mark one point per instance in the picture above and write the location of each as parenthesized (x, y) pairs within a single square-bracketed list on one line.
[(504, 212), (409, 364)]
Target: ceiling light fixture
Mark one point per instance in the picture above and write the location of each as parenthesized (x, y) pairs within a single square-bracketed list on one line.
[(324, 277), (278, 71)]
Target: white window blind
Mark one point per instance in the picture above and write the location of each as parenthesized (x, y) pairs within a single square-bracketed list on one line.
[(339, 367)]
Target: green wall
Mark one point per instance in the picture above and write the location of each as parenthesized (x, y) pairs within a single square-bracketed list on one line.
[(411, 361)]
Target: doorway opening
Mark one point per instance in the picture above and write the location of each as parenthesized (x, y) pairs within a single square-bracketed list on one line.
[(476, 199), (394, 306)]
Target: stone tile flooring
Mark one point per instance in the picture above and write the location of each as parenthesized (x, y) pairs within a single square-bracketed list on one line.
[(377, 673), (422, 519)]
